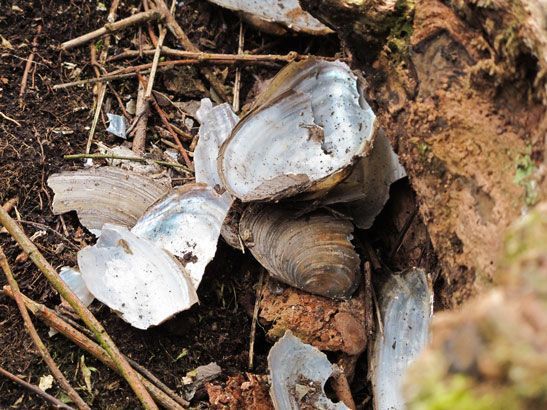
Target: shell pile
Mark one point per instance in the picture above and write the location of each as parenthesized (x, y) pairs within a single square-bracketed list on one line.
[(302, 167)]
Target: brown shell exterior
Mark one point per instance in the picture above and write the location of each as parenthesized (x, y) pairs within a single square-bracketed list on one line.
[(313, 252)]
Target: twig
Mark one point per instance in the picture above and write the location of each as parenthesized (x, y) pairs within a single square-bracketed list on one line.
[(255, 319), (226, 58), (91, 322), (181, 36), (10, 204), (237, 81), (112, 27), (28, 65), (141, 118), (137, 159), (101, 92), (341, 388), (53, 320), (173, 133), (63, 382), (404, 230), (4, 116), (55, 402)]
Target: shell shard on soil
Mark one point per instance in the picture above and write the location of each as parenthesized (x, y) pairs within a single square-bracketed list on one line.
[(287, 13), (73, 279), (363, 194), (298, 374), (143, 283), (104, 195), (216, 125), (308, 128), (406, 306), (312, 252), (186, 223)]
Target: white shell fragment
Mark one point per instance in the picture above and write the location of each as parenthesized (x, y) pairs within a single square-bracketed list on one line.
[(135, 278), (308, 128), (216, 125), (285, 12), (363, 194), (117, 125), (73, 279), (104, 195), (298, 373), (186, 223), (406, 305)]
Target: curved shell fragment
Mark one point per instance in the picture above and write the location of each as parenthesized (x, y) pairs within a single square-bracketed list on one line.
[(135, 278), (285, 12), (306, 131), (104, 195), (298, 373), (186, 223)]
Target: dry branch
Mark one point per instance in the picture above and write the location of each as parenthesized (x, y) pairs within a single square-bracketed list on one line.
[(56, 403), (122, 158), (112, 27), (52, 319), (91, 322), (30, 60), (63, 382)]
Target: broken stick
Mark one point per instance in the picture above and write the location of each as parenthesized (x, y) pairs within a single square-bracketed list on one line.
[(30, 60), (112, 27), (90, 321), (55, 402), (63, 382)]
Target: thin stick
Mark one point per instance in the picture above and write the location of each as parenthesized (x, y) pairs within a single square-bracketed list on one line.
[(222, 57), (10, 204), (55, 402), (402, 234), (112, 27), (101, 93), (141, 118), (91, 322), (341, 388), (4, 116), (28, 65), (63, 382), (237, 81), (136, 159), (53, 320), (179, 33), (255, 319)]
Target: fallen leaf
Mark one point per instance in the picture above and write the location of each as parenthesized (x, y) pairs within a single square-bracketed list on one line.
[(86, 373)]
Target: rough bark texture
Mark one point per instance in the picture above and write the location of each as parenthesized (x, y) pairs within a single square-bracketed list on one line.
[(460, 88)]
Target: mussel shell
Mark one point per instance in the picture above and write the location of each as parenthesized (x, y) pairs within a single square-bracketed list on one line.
[(306, 131), (313, 252), (187, 223)]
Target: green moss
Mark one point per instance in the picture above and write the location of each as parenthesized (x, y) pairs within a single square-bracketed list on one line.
[(400, 27), (524, 176)]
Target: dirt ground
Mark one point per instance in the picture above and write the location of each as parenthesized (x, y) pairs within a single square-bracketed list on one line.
[(54, 123)]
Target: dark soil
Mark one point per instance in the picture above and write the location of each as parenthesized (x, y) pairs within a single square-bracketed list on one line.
[(55, 123)]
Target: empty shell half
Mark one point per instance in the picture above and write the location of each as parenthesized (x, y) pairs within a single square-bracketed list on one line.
[(313, 252), (105, 195), (406, 306), (363, 194), (186, 223), (298, 374), (135, 278), (287, 13), (308, 128)]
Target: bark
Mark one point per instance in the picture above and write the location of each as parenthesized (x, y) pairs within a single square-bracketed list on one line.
[(460, 89)]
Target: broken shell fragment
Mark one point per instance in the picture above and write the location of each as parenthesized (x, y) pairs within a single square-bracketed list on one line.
[(286, 13), (186, 223), (308, 128), (313, 252), (135, 278), (298, 373), (73, 279), (104, 195), (363, 194), (406, 306)]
